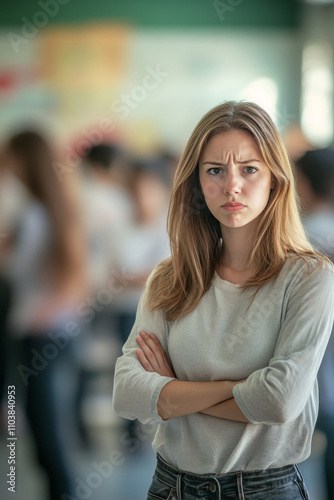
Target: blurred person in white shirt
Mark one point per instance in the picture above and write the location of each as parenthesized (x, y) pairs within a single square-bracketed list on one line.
[(107, 207), (143, 243)]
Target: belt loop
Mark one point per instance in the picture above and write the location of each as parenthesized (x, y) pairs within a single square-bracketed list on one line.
[(298, 472), (240, 488), (178, 486)]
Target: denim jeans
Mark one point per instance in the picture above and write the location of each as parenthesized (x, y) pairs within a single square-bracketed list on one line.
[(42, 404), (170, 483)]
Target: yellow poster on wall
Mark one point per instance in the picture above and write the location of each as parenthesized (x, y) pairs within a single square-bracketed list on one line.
[(85, 66)]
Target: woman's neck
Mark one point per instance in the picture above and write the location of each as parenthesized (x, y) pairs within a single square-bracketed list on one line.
[(237, 246)]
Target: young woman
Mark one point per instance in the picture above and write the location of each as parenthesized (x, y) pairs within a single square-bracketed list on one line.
[(230, 330)]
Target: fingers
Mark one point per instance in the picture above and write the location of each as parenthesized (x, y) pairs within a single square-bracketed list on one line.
[(144, 362), (157, 342), (151, 350), (151, 341), (155, 339), (155, 346), (152, 355)]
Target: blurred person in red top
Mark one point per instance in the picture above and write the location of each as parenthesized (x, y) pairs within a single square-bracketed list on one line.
[(46, 270)]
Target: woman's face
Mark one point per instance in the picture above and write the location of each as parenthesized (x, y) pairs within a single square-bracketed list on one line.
[(151, 196), (232, 170)]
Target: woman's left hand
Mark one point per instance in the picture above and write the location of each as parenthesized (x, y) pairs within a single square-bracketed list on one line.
[(152, 356)]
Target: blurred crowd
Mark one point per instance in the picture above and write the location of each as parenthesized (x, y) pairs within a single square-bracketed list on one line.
[(76, 246)]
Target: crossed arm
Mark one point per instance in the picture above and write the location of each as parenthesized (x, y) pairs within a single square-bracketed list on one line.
[(178, 398)]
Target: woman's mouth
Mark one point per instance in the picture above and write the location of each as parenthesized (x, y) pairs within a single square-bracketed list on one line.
[(233, 207)]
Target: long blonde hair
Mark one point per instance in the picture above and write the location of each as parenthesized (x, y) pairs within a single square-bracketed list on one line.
[(180, 281)]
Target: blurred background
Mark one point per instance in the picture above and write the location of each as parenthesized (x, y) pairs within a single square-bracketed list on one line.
[(98, 100)]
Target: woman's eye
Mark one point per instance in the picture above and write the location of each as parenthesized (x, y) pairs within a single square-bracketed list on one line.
[(214, 171), (251, 168)]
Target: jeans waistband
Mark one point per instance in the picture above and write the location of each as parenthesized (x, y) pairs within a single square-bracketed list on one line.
[(230, 482)]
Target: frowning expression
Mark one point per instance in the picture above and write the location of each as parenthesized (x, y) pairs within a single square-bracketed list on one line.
[(234, 178)]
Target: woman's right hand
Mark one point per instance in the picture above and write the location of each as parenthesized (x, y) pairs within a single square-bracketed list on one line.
[(152, 355)]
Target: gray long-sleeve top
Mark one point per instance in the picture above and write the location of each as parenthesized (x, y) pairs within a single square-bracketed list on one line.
[(277, 344)]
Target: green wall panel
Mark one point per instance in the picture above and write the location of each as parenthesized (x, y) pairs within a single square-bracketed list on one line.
[(157, 13)]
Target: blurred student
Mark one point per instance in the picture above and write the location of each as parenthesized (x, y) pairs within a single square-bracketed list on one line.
[(106, 207), (143, 243), (46, 271), (315, 185), (5, 298), (13, 199)]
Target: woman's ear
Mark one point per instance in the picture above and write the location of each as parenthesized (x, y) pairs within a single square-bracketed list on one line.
[(273, 183)]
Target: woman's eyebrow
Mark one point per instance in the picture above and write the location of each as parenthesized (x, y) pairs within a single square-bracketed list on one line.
[(223, 164)]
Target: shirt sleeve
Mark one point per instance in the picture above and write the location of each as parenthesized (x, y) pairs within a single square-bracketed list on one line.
[(279, 392), (136, 391)]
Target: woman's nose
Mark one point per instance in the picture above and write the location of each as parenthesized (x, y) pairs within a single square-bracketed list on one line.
[(232, 183)]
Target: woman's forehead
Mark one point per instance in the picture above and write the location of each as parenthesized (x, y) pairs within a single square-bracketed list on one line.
[(237, 143)]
